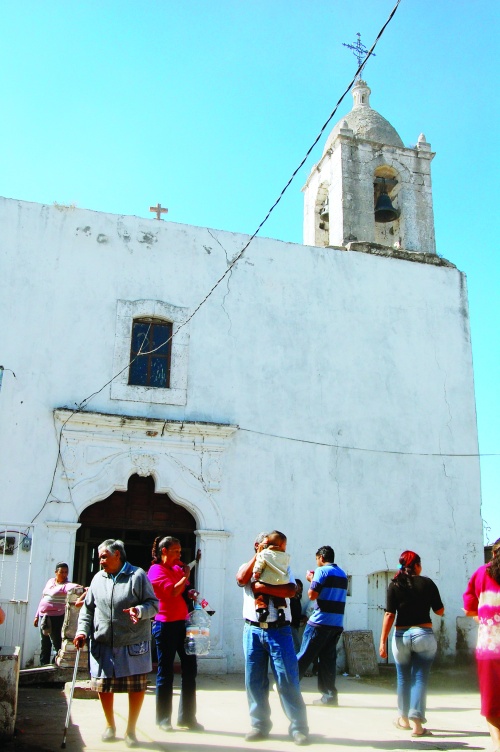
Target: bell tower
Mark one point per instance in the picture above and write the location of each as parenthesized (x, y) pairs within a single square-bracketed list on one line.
[(368, 187)]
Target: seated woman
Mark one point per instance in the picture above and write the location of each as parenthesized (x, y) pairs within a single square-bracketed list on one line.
[(410, 598)]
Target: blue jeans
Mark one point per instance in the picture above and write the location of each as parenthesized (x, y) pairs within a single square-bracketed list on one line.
[(414, 650), (169, 637), (321, 643), (276, 645), (296, 638)]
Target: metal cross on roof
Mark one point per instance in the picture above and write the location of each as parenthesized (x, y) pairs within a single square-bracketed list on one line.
[(159, 210), (359, 50)]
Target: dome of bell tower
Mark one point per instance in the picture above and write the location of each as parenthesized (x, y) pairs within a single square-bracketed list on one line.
[(365, 122)]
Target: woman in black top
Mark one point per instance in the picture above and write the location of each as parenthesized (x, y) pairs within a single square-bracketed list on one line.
[(410, 598)]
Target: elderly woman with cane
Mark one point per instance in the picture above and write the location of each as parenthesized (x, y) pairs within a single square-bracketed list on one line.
[(116, 614)]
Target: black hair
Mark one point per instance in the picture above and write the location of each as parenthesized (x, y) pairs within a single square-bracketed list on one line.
[(494, 565), (327, 553), (160, 543)]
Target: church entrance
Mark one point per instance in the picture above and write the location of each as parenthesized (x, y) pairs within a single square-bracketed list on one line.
[(136, 516)]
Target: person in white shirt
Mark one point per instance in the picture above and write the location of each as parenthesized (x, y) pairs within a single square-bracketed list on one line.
[(265, 642)]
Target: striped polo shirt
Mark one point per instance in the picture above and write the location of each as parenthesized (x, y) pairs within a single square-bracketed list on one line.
[(330, 582)]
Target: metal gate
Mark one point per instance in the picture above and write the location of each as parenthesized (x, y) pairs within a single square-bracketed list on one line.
[(377, 591), (16, 555)]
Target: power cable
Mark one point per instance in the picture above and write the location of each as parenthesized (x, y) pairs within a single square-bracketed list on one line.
[(366, 449), (80, 406), (78, 409), (292, 177)]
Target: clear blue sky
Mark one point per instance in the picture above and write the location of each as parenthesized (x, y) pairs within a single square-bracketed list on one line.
[(208, 106)]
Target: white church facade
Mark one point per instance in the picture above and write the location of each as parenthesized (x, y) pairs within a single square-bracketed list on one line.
[(323, 389)]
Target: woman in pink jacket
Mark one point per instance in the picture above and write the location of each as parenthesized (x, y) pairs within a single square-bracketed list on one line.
[(170, 578), (482, 601)]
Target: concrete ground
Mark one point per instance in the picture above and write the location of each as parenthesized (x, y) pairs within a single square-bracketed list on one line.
[(363, 721)]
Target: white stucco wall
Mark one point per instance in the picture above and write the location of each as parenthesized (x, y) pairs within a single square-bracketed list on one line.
[(348, 375)]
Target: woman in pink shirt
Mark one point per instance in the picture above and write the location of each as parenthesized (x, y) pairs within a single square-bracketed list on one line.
[(52, 605), (482, 601), (170, 577)]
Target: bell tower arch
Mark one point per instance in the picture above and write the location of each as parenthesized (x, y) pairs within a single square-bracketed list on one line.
[(386, 198), (368, 187)]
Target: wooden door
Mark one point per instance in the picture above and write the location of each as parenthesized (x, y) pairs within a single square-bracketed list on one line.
[(377, 591)]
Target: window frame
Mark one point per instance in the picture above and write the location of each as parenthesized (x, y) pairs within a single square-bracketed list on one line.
[(126, 313), (136, 354)]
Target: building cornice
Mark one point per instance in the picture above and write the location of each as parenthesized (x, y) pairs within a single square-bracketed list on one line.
[(151, 427)]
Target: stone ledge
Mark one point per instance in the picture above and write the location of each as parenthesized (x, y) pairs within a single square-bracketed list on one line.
[(387, 251), (49, 675), (82, 690)]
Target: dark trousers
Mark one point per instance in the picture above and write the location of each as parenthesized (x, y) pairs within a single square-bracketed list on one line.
[(54, 639), (169, 637), (321, 643), (262, 599)]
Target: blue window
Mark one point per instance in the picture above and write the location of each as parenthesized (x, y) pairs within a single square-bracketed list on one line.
[(150, 353)]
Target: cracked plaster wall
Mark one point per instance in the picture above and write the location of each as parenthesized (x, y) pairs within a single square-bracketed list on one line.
[(348, 374)]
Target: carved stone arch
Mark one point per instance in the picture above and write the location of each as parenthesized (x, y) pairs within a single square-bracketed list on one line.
[(389, 159), (136, 515), (115, 474), (99, 453)]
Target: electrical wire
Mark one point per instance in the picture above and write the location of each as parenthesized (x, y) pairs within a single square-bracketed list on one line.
[(366, 449), (78, 409), (288, 184), (81, 405), (273, 207)]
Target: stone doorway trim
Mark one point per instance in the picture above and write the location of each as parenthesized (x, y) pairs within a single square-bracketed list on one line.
[(98, 454)]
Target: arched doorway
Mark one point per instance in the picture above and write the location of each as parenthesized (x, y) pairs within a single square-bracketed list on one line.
[(136, 516)]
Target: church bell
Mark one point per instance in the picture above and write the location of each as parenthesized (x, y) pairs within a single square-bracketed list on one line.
[(384, 210), (324, 212)]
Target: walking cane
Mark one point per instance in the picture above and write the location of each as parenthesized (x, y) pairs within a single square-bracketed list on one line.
[(63, 745)]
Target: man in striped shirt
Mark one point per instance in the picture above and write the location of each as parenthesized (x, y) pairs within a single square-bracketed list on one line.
[(328, 589)]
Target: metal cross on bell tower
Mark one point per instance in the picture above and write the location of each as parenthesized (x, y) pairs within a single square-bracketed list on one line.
[(359, 50)]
